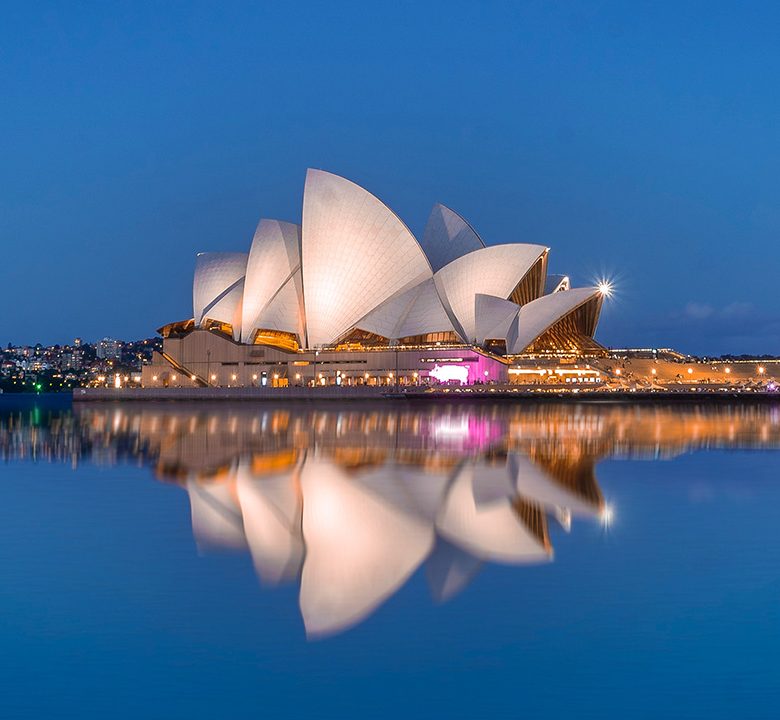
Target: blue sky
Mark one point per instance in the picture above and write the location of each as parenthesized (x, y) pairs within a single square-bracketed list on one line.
[(637, 140)]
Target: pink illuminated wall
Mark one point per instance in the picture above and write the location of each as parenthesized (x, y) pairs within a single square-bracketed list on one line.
[(465, 369)]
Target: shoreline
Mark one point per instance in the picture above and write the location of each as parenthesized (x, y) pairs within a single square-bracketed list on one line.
[(498, 394)]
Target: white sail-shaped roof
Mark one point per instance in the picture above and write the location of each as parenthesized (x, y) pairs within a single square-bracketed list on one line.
[(359, 548), (273, 291), (488, 530), (353, 264), (426, 315), (416, 311), (495, 318), (447, 236), (385, 319), (217, 289), (535, 317), (494, 270), (356, 253), (228, 308), (284, 312)]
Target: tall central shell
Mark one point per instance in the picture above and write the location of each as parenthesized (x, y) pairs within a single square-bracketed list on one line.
[(356, 253)]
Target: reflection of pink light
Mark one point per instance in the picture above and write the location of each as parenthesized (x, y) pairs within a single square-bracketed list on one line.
[(483, 432), (463, 431), (449, 430), (445, 373)]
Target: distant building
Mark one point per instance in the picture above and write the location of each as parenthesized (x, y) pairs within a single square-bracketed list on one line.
[(109, 349)]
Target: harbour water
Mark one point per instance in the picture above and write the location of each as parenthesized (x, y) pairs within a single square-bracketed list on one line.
[(336, 560)]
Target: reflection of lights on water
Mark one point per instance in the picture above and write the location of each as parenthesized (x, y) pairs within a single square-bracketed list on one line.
[(563, 516), (451, 429), (607, 516), (464, 432), (365, 498)]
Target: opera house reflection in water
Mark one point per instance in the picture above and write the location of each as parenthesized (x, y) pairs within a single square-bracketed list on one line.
[(350, 500), (351, 503)]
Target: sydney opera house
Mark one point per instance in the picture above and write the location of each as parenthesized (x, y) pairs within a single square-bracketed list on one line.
[(351, 297)]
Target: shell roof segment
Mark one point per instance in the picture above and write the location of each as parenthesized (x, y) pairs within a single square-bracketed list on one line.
[(217, 287), (535, 317), (448, 236), (354, 264), (273, 291), (356, 253), (494, 270)]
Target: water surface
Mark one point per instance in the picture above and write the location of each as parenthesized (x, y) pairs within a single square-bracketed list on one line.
[(390, 560)]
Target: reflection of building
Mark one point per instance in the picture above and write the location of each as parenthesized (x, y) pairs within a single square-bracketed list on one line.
[(355, 524), (353, 283), (352, 500)]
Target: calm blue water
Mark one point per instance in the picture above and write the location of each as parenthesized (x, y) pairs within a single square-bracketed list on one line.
[(333, 561)]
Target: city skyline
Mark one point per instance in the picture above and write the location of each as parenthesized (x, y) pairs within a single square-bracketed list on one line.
[(622, 131)]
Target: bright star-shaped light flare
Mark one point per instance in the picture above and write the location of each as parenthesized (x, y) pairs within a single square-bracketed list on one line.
[(605, 288)]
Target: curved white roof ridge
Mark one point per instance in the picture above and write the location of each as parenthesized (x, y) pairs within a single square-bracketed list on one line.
[(492, 270), (413, 311), (227, 307), (495, 317), (283, 310), (538, 315), (274, 259), (448, 236), (386, 318), (372, 195), (427, 313), (355, 254), (216, 279)]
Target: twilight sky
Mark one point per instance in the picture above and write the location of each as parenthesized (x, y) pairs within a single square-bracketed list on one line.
[(637, 140)]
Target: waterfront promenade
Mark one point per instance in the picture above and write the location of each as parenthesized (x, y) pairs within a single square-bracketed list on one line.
[(492, 392)]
